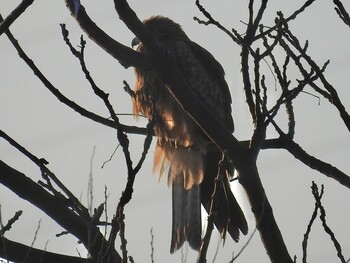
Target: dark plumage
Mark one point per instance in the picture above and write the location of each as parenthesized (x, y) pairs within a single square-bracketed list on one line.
[(183, 151)]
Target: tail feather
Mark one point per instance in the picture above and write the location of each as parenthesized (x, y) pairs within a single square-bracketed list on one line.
[(194, 224), (186, 216)]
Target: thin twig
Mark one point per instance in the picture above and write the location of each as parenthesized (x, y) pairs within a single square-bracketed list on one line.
[(291, 17), (244, 247), (110, 158), (9, 224), (342, 13), (90, 194), (318, 205), (308, 229), (128, 90), (328, 230), (33, 241), (236, 38), (212, 213), (152, 245)]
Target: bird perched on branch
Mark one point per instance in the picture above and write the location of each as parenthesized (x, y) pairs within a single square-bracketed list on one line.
[(184, 152)]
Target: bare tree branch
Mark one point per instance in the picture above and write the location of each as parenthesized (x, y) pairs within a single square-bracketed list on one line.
[(9, 224), (318, 206), (125, 55), (319, 71), (325, 225), (46, 173), (57, 209), (235, 37), (202, 257), (17, 252), (288, 19), (341, 11), (312, 219), (284, 142), (7, 22)]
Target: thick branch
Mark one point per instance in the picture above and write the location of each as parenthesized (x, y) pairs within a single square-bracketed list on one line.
[(317, 164), (125, 55), (263, 213), (18, 252), (299, 153)]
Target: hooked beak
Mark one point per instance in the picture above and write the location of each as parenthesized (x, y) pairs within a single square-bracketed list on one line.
[(135, 42)]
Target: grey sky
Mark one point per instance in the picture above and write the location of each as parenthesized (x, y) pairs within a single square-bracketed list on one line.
[(34, 117)]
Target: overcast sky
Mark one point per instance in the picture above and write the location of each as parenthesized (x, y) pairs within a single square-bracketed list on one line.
[(36, 119)]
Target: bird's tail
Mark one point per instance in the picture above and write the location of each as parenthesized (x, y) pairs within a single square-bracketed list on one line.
[(186, 215), (185, 173), (192, 176)]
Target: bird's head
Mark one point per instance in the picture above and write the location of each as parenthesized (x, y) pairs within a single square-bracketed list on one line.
[(163, 28)]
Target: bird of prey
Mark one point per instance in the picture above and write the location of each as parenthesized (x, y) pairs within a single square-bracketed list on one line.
[(184, 152)]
